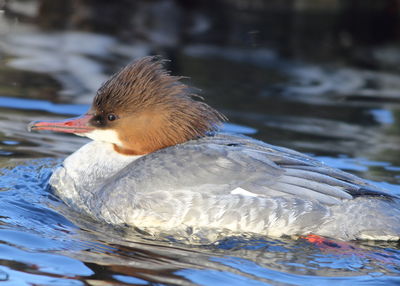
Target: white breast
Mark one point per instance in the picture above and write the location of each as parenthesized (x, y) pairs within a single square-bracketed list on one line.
[(86, 168)]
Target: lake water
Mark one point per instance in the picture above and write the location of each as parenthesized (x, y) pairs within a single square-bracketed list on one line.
[(344, 114)]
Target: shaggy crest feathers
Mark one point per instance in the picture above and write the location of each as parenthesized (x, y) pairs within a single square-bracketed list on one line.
[(145, 85)]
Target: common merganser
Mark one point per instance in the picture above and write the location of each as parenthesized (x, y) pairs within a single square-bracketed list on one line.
[(157, 163)]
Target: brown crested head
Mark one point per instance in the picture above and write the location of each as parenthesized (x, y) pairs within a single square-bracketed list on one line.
[(149, 109)]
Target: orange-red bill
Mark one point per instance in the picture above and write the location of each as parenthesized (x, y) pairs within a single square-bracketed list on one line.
[(72, 125)]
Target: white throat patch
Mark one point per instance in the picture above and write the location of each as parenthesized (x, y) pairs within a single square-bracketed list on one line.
[(107, 135)]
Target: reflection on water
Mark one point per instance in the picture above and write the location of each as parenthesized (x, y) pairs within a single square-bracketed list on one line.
[(338, 101)]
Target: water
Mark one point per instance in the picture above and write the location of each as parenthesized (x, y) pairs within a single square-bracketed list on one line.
[(343, 113)]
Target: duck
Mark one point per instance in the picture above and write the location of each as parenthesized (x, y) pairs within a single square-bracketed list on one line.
[(159, 163)]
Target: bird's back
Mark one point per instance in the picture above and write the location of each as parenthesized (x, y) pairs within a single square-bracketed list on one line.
[(234, 183)]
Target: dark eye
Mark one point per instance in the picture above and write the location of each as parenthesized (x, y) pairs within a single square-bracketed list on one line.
[(111, 117)]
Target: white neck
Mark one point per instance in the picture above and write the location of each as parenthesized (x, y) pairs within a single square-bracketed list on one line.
[(85, 169)]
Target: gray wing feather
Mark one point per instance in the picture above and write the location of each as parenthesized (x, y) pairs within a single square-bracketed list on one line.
[(219, 164), (305, 192), (316, 186)]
